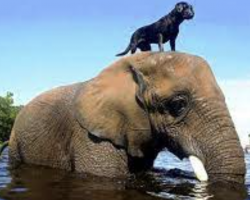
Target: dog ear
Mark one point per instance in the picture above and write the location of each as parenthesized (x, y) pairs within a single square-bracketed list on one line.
[(179, 7)]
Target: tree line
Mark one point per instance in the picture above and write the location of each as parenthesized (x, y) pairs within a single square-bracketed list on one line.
[(8, 113)]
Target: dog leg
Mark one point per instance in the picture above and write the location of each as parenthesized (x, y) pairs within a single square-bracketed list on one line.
[(144, 46), (136, 44), (133, 49), (160, 42), (172, 44)]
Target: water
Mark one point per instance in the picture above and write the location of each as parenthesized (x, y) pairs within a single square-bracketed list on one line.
[(37, 183)]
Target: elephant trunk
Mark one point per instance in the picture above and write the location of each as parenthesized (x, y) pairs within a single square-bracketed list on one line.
[(224, 160), (220, 150)]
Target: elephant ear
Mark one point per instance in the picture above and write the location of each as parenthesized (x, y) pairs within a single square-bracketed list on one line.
[(107, 104), (142, 85)]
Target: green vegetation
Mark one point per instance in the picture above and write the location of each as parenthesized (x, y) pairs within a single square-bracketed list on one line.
[(8, 113)]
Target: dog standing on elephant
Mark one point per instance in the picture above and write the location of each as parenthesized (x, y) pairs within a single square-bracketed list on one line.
[(164, 30)]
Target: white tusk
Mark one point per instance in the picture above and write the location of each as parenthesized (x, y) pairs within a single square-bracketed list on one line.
[(198, 168)]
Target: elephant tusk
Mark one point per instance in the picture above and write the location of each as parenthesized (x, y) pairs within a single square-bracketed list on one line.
[(198, 168)]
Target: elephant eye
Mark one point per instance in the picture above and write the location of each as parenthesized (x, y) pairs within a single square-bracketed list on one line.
[(178, 105), (175, 106)]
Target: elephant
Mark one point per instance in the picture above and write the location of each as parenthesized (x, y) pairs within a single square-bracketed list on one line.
[(115, 124)]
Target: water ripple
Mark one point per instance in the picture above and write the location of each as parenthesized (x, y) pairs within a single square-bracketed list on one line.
[(166, 182)]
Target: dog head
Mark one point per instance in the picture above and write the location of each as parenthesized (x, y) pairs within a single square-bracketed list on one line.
[(185, 10)]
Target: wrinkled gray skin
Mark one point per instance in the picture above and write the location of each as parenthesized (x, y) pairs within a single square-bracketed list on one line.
[(117, 123)]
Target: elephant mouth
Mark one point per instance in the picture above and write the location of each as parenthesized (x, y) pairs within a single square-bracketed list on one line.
[(213, 171), (196, 163), (203, 175), (203, 169)]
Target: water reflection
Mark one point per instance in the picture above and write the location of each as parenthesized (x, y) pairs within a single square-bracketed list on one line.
[(36, 183)]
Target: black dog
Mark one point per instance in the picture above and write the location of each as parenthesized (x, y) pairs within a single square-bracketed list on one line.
[(160, 32)]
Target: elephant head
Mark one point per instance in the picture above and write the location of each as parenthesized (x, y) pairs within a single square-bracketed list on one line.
[(173, 97)]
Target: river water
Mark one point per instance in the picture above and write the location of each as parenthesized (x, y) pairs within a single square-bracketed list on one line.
[(37, 183)]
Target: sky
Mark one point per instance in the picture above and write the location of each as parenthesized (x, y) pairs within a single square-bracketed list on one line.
[(48, 43)]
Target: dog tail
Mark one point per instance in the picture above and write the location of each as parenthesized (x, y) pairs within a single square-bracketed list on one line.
[(126, 50), (3, 146)]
